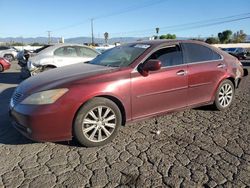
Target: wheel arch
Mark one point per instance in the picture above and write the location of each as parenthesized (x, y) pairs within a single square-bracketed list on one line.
[(119, 104), (50, 66), (10, 55), (229, 77), (113, 99)]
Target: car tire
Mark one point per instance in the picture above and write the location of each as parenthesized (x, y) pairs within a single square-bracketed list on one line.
[(97, 122), (224, 95), (9, 57), (1, 68)]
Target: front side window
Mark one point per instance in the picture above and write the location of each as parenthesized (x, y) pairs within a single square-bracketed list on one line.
[(86, 52), (197, 53), (169, 56)]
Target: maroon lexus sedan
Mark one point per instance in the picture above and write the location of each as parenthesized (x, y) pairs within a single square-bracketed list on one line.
[(133, 81)]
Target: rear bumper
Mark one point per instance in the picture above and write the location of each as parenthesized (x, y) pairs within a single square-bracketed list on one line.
[(245, 72), (7, 66)]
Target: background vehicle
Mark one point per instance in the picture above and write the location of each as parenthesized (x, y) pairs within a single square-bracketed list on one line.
[(26, 54), (239, 53), (4, 64), (134, 81), (22, 58), (60, 55), (8, 53)]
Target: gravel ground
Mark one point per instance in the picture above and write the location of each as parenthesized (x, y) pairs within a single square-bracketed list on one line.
[(195, 148)]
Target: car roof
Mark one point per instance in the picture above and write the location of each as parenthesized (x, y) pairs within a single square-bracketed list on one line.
[(55, 46), (167, 41)]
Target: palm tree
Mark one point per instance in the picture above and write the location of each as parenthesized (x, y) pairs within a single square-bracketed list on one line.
[(106, 36), (157, 31)]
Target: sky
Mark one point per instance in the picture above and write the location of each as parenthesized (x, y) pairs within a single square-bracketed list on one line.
[(122, 18)]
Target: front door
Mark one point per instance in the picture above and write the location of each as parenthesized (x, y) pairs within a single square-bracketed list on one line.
[(162, 90)]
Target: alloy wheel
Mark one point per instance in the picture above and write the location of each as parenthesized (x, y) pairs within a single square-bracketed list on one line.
[(225, 95), (99, 123)]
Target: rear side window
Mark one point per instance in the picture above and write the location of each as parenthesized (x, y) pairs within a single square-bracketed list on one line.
[(196, 53), (67, 51)]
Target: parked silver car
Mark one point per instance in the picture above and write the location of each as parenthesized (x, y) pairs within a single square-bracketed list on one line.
[(8, 53), (60, 55)]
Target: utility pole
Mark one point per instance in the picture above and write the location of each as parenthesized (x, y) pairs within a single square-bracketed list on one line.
[(49, 38), (92, 32)]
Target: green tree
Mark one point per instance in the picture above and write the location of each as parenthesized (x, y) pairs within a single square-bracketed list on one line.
[(212, 40), (16, 44), (36, 44), (225, 36), (168, 36)]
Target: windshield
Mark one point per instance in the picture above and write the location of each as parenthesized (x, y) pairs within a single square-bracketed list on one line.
[(120, 56)]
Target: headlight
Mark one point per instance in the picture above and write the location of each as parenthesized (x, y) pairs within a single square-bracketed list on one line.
[(45, 97), (30, 65)]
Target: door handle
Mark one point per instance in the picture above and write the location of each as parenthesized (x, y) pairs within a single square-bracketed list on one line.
[(221, 65), (181, 73)]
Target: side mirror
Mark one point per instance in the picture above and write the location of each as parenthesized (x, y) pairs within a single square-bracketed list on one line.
[(150, 65)]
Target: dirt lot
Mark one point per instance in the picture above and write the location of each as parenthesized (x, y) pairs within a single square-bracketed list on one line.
[(196, 148)]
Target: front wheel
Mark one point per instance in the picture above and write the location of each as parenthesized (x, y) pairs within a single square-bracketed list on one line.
[(9, 57), (97, 122), (224, 95)]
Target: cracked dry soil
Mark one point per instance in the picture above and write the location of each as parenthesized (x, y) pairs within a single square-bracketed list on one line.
[(196, 148)]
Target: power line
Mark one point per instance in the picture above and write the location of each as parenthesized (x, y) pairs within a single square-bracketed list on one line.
[(129, 9), (181, 26), (121, 11)]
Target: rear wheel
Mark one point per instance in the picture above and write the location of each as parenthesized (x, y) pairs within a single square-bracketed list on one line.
[(9, 57), (224, 95), (97, 122)]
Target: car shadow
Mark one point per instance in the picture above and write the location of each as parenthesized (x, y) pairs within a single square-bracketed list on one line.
[(206, 108), (8, 134), (10, 78)]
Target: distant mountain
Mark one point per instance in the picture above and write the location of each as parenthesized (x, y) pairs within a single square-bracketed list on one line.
[(80, 40), (76, 40)]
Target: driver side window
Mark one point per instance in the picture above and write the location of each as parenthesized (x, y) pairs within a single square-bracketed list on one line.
[(169, 56)]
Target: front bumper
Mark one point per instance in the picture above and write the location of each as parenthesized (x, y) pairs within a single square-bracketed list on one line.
[(42, 123)]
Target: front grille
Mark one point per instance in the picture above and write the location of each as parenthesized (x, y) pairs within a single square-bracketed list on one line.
[(16, 98)]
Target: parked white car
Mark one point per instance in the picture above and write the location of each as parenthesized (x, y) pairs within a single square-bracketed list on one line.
[(60, 55), (8, 53)]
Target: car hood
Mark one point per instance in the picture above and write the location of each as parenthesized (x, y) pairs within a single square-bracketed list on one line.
[(57, 77)]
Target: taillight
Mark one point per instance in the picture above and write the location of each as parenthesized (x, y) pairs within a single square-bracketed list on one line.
[(6, 60)]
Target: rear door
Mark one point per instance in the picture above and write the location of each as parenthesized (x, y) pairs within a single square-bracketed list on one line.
[(205, 69), (162, 90)]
